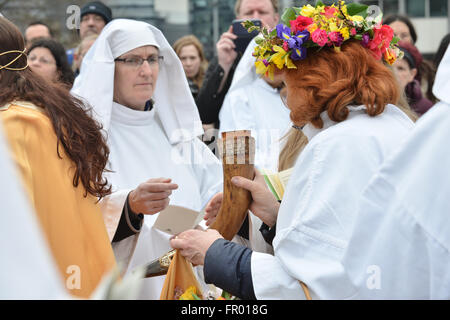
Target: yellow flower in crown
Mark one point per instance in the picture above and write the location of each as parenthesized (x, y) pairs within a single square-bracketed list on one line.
[(261, 67), (281, 58), (356, 18), (308, 11), (345, 33), (320, 26), (332, 27)]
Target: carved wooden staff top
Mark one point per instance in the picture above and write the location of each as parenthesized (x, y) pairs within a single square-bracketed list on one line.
[(237, 150)]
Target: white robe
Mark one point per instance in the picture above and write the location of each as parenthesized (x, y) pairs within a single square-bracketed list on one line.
[(400, 247), (319, 207), (406, 211), (140, 150), (257, 107), (27, 268)]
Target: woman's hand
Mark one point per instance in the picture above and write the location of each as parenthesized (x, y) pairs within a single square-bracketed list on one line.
[(151, 196), (264, 204), (193, 244)]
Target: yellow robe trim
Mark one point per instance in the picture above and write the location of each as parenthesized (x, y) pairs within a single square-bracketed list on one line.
[(72, 223)]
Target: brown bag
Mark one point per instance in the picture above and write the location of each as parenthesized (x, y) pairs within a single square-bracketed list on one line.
[(180, 276)]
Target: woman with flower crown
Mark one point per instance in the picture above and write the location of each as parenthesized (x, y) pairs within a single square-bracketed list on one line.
[(341, 96)]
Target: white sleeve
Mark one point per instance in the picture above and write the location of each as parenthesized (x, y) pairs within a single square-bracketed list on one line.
[(279, 285)]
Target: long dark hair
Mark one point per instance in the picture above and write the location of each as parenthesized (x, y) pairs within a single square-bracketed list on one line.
[(58, 52), (76, 131)]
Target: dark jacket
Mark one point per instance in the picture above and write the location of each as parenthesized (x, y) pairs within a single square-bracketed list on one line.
[(209, 101)]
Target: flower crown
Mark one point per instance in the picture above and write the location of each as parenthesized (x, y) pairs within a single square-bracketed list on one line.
[(321, 26)]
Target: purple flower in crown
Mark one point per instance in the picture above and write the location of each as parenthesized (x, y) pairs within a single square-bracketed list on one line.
[(336, 38), (283, 32), (365, 39), (296, 44)]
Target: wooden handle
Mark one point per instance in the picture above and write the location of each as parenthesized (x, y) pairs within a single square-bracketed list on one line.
[(237, 149)]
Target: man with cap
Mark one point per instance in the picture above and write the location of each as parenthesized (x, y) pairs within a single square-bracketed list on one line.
[(94, 17)]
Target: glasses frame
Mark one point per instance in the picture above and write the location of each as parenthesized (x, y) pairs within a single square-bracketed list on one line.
[(151, 64)]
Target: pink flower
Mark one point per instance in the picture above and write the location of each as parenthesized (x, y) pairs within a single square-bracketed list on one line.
[(285, 46), (329, 12), (300, 24), (336, 38), (320, 37), (353, 32)]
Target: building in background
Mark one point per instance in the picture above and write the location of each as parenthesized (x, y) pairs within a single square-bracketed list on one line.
[(143, 10), (208, 19)]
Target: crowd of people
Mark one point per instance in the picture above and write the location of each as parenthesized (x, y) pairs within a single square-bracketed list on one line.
[(106, 135)]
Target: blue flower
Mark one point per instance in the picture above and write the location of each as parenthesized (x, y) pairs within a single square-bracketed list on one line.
[(296, 44), (298, 53), (283, 32)]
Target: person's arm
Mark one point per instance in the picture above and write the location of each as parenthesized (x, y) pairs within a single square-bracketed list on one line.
[(130, 223), (209, 99), (236, 277)]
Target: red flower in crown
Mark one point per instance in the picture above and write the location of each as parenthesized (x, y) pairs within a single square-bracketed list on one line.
[(300, 23), (381, 40)]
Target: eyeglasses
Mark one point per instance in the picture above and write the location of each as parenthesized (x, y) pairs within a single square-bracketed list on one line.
[(136, 62)]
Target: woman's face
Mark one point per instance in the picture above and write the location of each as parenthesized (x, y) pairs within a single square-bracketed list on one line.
[(135, 84), (42, 62), (190, 58), (403, 72), (401, 31)]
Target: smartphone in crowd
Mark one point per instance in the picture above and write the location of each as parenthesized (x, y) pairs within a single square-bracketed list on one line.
[(243, 36)]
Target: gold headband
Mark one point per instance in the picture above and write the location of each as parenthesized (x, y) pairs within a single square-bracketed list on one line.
[(14, 60)]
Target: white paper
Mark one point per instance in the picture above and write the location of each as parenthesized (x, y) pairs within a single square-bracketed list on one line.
[(176, 219)]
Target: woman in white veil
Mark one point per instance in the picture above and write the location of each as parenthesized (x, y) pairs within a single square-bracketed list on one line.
[(148, 140)]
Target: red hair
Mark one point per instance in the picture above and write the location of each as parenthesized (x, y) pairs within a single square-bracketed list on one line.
[(330, 80)]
